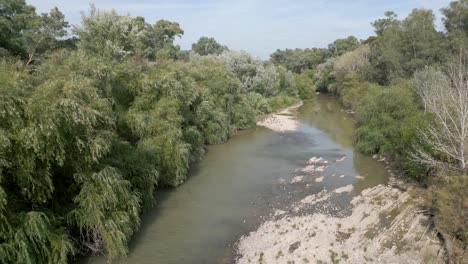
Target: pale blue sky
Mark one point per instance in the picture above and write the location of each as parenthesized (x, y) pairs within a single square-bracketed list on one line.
[(257, 26)]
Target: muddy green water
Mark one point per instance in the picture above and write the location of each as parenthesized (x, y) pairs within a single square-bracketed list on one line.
[(236, 186)]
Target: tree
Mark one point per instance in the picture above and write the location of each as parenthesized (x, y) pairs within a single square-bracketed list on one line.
[(456, 16), (385, 57), (108, 34), (265, 81), (207, 46), (163, 36), (421, 43), (165, 33), (298, 60), (444, 95), (242, 64), (305, 84), (15, 16), (44, 34), (341, 46), (402, 47), (382, 24), (353, 61), (24, 33)]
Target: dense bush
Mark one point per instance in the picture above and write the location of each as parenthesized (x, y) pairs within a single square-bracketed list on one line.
[(305, 84), (387, 120)]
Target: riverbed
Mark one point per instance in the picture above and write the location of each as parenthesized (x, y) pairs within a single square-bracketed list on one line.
[(258, 174)]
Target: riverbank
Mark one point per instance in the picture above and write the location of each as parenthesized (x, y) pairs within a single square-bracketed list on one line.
[(281, 121), (383, 224)]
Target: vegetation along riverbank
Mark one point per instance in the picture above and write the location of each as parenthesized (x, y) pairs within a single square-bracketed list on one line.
[(408, 89), (96, 117), (91, 125)]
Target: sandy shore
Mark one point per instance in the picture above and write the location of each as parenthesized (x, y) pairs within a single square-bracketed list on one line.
[(383, 226), (283, 121)]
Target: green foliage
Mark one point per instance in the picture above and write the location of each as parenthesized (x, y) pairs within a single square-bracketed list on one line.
[(354, 90), (136, 166), (386, 119), (61, 123), (34, 238), (456, 17), (325, 77), (242, 64), (404, 46), (213, 122), (163, 34), (108, 34), (298, 60), (207, 46), (341, 46), (106, 211), (24, 33), (286, 82), (158, 125), (280, 101), (304, 83)]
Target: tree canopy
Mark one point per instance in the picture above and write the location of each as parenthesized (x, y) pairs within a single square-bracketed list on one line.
[(207, 46)]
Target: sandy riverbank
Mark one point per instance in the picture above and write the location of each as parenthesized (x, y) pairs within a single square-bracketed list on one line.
[(383, 227), (283, 121)]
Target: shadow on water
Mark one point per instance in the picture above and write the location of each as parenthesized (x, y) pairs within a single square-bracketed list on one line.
[(161, 197), (237, 185)]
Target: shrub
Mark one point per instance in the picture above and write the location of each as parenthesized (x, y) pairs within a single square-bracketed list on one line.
[(451, 208)]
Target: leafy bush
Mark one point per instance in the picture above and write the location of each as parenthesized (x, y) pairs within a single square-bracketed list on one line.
[(451, 207), (353, 90), (386, 120), (304, 83)]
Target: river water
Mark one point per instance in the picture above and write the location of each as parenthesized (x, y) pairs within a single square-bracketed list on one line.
[(237, 186)]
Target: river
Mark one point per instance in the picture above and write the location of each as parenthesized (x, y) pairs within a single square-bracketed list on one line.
[(237, 185)]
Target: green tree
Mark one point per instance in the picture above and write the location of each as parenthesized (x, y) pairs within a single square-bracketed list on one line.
[(24, 33), (341, 46), (108, 34), (163, 36), (207, 46), (298, 60), (402, 47), (456, 16)]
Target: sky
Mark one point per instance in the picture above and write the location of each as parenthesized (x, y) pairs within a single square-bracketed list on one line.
[(257, 26)]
